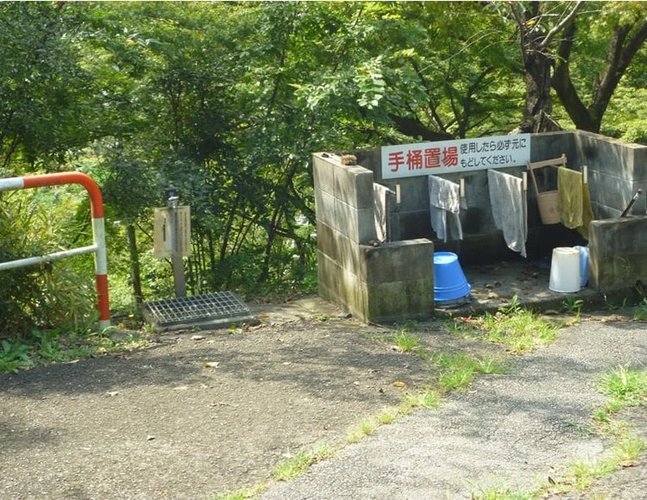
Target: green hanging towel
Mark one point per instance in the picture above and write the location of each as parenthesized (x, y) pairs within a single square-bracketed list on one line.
[(587, 212), (571, 194)]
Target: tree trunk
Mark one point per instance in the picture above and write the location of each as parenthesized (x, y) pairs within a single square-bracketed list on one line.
[(565, 89), (135, 271), (271, 236), (538, 67), (539, 103), (538, 62)]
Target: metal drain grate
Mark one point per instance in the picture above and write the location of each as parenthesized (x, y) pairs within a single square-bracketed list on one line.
[(213, 306)]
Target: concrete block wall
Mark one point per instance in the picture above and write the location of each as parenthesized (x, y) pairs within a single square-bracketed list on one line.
[(615, 171), (389, 282), (398, 279), (394, 281)]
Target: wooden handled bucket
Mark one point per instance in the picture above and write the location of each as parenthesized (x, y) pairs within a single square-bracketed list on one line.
[(548, 201)]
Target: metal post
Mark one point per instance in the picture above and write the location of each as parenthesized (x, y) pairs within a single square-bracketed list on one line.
[(176, 256)]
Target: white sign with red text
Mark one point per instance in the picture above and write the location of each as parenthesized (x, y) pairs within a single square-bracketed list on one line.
[(448, 157)]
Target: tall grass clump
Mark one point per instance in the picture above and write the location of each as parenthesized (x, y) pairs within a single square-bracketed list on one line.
[(520, 330)]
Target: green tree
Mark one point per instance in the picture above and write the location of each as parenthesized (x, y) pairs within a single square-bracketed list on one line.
[(539, 26), (581, 50), (47, 107), (226, 101), (621, 34)]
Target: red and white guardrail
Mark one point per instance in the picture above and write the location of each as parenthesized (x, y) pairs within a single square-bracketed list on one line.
[(98, 232)]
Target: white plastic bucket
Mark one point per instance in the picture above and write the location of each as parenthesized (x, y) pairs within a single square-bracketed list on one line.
[(565, 270)]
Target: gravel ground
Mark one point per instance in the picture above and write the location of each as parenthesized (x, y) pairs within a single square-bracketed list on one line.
[(196, 416)]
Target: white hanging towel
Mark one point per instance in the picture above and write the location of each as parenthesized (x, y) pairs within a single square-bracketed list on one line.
[(381, 210), (509, 209), (444, 208)]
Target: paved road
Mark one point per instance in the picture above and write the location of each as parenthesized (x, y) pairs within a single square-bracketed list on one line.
[(159, 423), (516, 429)]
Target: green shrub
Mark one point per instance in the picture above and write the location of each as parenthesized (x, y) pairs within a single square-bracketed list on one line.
[(57, 294)]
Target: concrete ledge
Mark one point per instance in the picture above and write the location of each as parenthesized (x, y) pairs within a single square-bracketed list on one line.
[(400, 300), (398, 280), (392, 282), (397, 261), (618, 252)]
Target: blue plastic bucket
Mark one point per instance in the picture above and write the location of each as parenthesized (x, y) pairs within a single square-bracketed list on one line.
[(450, 284), (584, 264)]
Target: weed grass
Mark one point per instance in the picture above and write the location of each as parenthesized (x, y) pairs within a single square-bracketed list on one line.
[(287, 470), (406, 342), (640, 313), (583, 474), (500, 490), (624, 387), (301, 461), (573, 305), (628, 448), (520, 330), (388, 416), (53, 346), (457, 370), (427, 397), (366, 427), (14, 356), (245, 493)]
